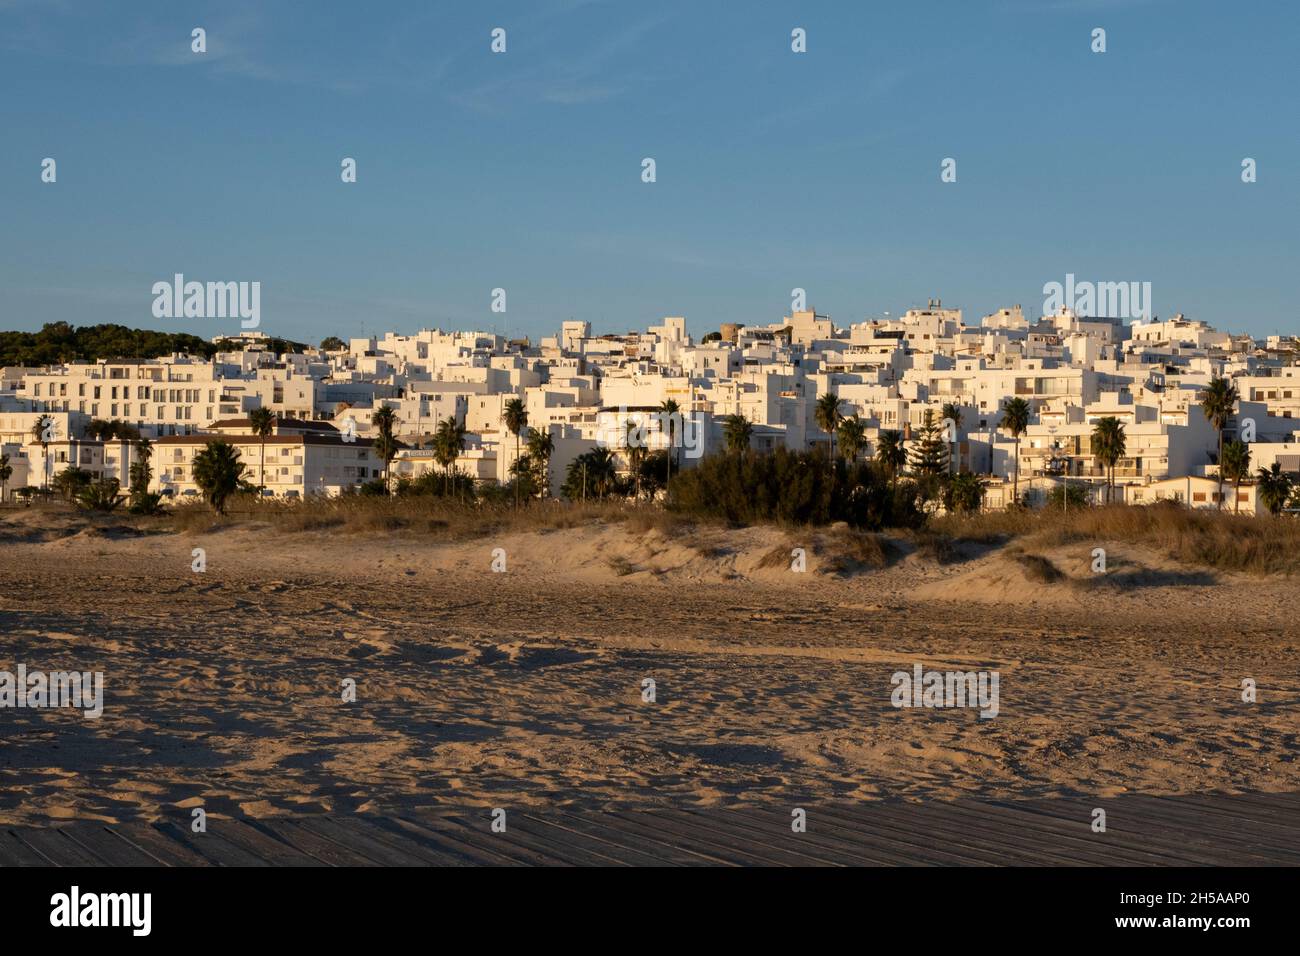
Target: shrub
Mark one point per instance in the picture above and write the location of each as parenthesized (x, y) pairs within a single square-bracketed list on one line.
[(792, 488)]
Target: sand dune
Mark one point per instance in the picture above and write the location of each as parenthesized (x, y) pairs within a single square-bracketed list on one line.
[(223, 689)]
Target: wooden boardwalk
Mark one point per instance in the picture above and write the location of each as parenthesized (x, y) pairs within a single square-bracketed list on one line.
[(1242, 830)]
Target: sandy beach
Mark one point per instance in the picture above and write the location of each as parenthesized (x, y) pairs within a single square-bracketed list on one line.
[(524, 688)]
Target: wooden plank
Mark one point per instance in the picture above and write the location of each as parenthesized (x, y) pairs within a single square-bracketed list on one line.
[(661, 846), (53, 844), (1182, 832), (866, 840), (438, 839), (560, 829), (553, 844), (245, 835), (1231, 829), (1057, 837), (885, 828), (212, 846), (305, 841), (158, 845), (577, 848), (1181, 816), (103, 843), (509, 843), (430, 853), (1264, 819), (1128, 830), (14, 852), (772, 828), (718, 840), (350, 835)]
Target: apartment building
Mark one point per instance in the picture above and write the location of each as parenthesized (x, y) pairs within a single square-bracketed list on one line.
[(299, 460)]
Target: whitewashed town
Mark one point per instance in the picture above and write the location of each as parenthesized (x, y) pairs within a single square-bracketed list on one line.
[(1019, 401)]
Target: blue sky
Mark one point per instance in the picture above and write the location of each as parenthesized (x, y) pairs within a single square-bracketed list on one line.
[(522, 170)]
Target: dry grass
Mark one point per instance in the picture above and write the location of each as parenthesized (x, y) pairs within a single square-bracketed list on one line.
[(847, 551), (1193, 538), (1037, 567), (418, 516), (1219, 540)]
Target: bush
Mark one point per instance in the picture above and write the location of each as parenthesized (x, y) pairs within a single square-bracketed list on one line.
[(792, 488), (1077, 497), (145, 503), (102, 495), (434, 484)]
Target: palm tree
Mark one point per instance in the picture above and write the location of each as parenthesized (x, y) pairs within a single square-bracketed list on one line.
[(1108, 446), (600, 469), (262, 424), (951, 411), (447, 442), (41, 431), (737, 432), (1217, 403), (1273, 486), (1015, 419), (891, 454), (540, 448), (669, 411), (217, 470), (384, 420), (140, 473), (6, 472), (964, 493), (1234, 465), (827, 414), (515, 417), (634, 444), (852, 435)]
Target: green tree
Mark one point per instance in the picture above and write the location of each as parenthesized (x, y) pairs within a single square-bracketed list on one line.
[(515, 416), (963, 493), (101, 495), (852, 434), (6, 472), (1273, 486), (262, 423), (384, 421), (448, 440), (669, 414), (651, 474), (827, 414), (332, 343), (42, 432), (929, 460), (634, 445), (891, 454), (1217, 402), (951, 412), (141, 499), (141, 471), (217, 471), (70, 481), (1234, 466), (1070, 497), (737, 433), (1015, 419), (1108, 447), (591, 474), (540, 448)]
